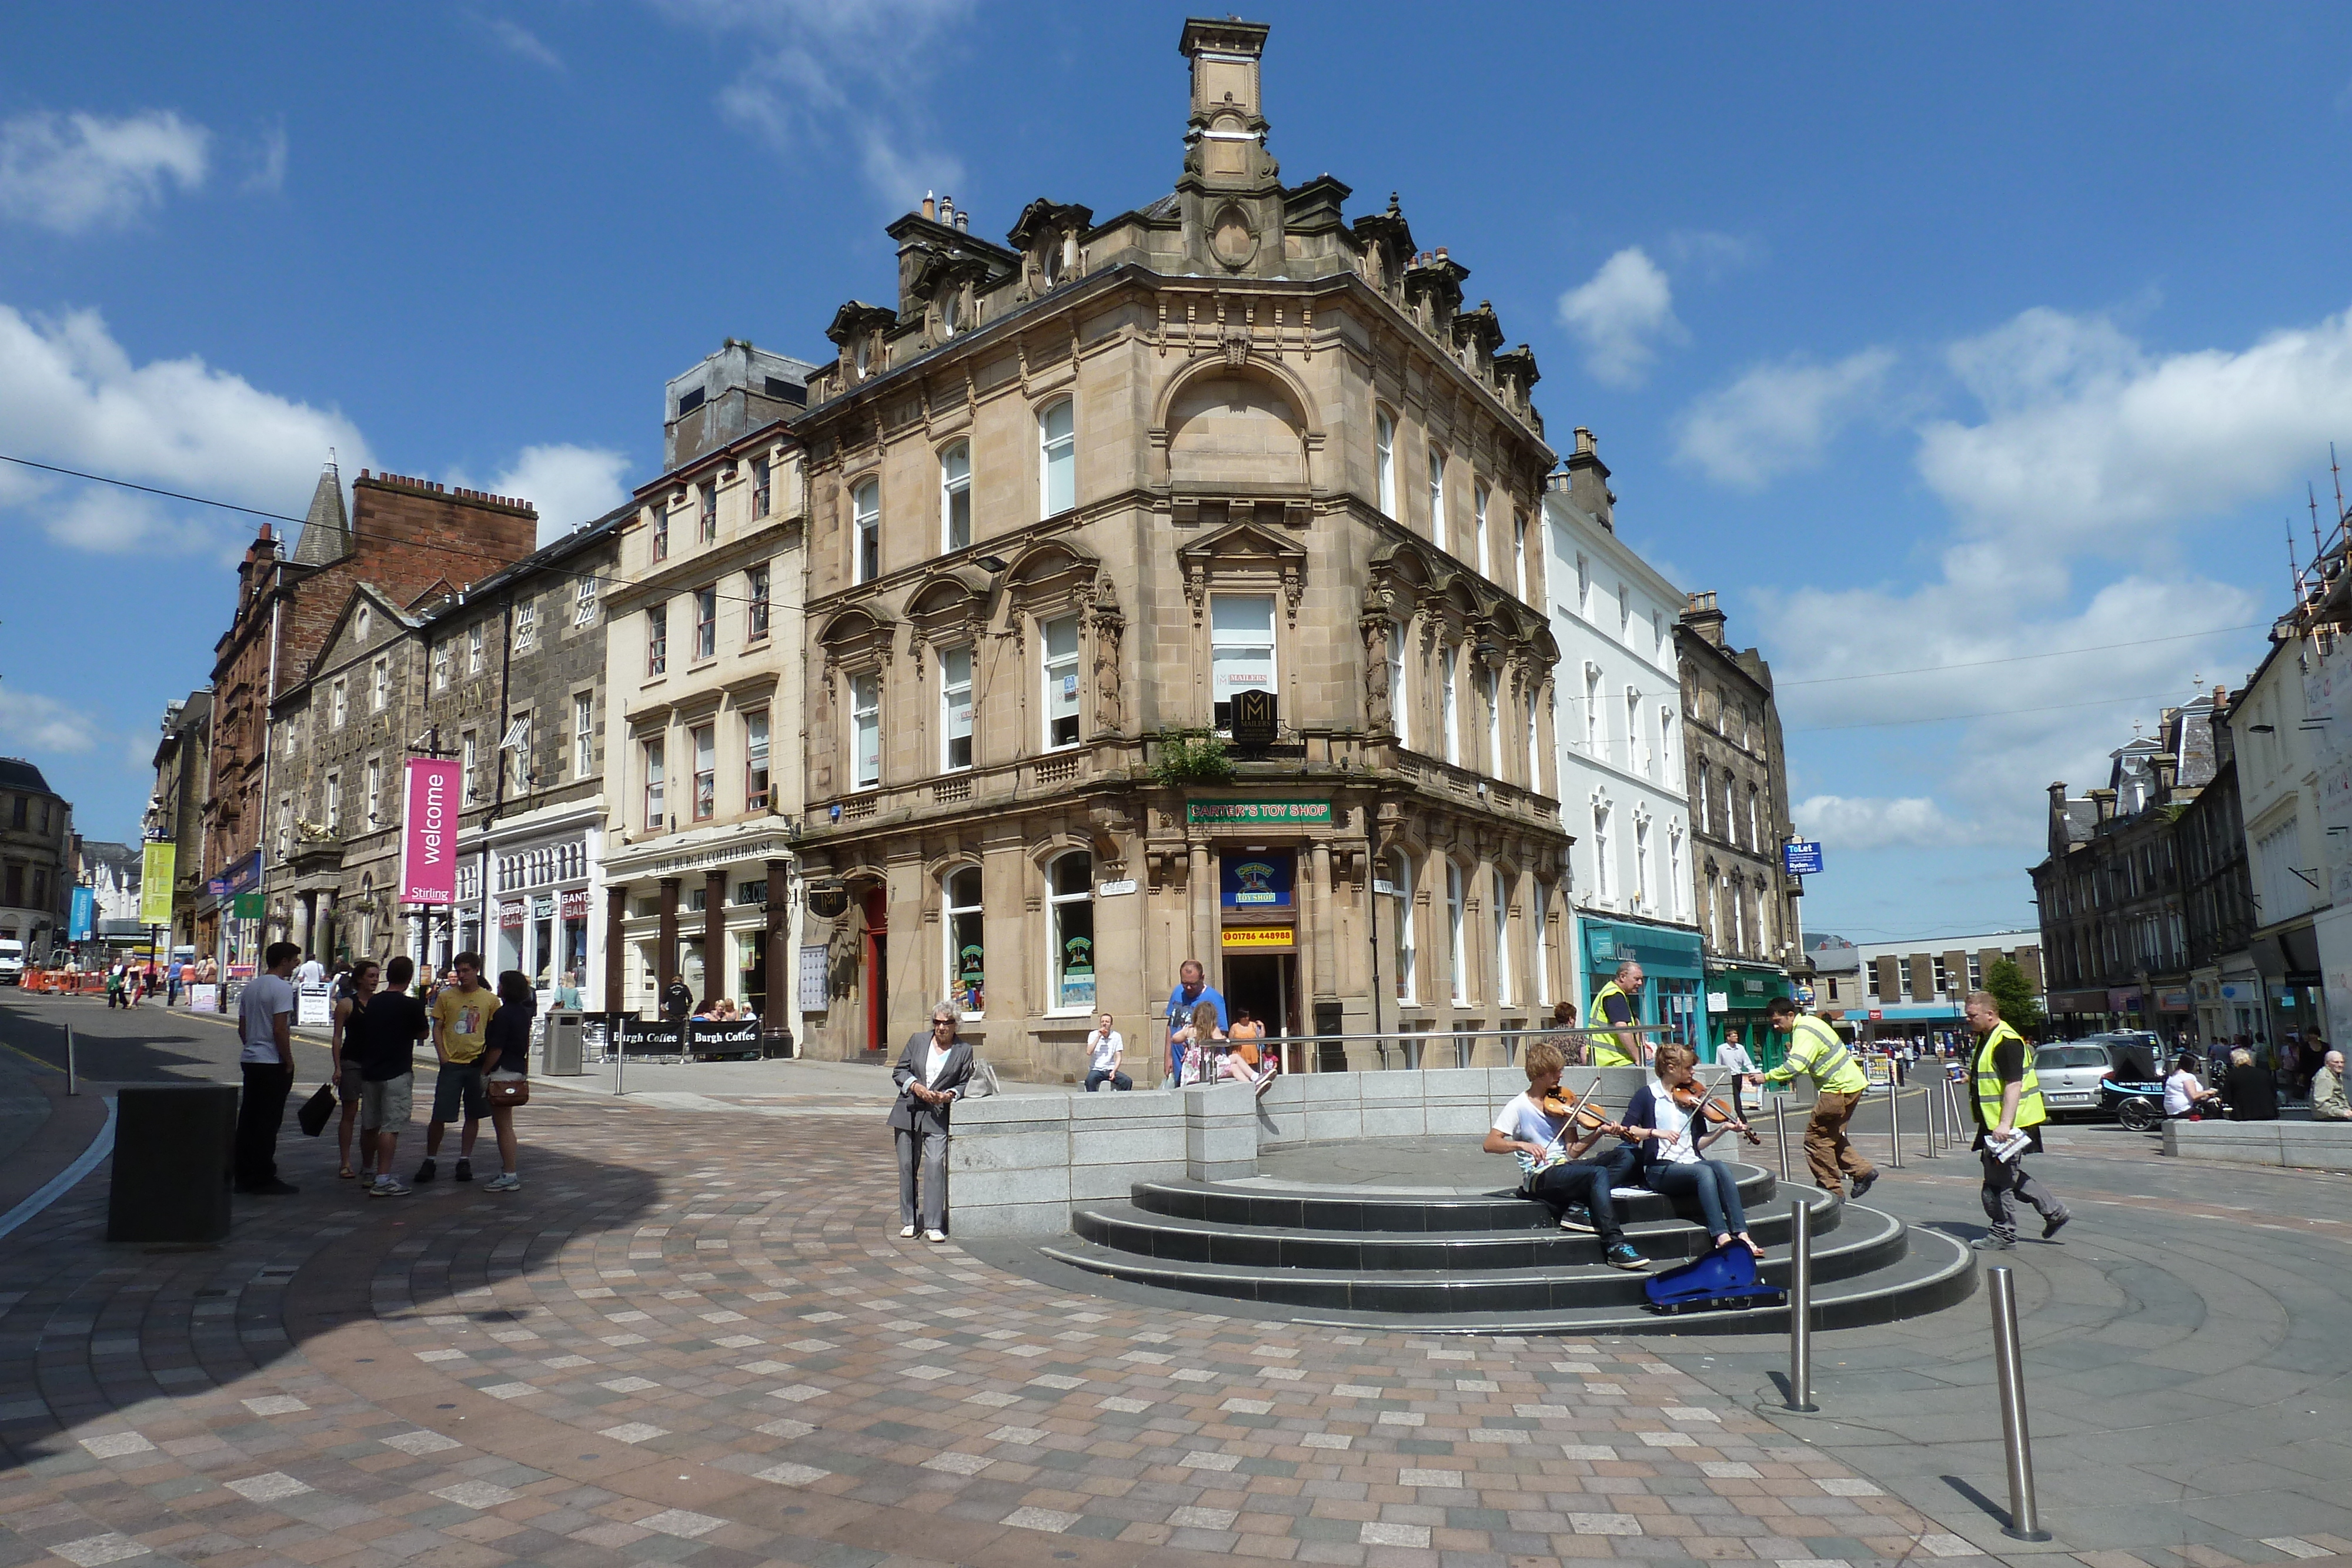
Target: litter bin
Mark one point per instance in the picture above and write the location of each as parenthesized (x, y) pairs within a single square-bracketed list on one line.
[(566, 1052), (172, 1161)]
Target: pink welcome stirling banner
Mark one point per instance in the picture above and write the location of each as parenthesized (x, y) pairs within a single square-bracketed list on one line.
[(429, 832)]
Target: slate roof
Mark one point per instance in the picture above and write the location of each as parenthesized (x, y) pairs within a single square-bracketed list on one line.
[(15, 773), (326, 531)]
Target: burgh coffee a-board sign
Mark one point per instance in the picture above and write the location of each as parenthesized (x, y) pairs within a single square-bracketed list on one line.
[(429, 832)]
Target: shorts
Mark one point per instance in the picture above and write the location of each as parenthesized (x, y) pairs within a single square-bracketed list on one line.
[(459, 1084), (387, 1101), (350, 1088)]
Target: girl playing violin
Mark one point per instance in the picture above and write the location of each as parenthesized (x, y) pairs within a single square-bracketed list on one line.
[(1669, 1119), (1551, 1145)]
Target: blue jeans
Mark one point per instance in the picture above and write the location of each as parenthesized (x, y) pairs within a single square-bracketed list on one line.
[(1096, 1076), (1717, 1191), (1587, 1182)]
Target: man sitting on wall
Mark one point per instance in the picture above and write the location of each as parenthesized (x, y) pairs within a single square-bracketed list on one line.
[(1551, 1152)]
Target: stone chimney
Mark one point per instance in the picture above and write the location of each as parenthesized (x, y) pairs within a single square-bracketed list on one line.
[(2166, 767), (1588, 481), (2103, 802), (1702, 618), (1231, 190), (2225, 740)]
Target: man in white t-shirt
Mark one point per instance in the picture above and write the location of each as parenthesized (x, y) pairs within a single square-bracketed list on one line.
[(1104, 1048), (311, 972), (1550, 1153), (265, 1025)]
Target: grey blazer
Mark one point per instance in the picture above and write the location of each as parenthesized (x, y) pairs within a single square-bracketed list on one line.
[(910, 1115)]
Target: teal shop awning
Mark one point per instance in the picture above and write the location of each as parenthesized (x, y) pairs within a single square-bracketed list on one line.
[(1666, 952)]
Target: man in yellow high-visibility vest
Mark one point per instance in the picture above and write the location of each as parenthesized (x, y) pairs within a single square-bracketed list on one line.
[(1815, 1051), (2007, 1097), (1615, 1003)]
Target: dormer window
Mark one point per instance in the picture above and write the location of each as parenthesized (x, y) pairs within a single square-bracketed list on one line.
[(950, 314), (863, 355)]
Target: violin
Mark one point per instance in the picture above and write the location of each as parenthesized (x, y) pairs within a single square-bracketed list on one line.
[(1578, 1113), (1710, 1111)]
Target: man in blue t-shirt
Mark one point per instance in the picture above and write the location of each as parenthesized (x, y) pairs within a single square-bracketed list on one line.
[(1193, 990)]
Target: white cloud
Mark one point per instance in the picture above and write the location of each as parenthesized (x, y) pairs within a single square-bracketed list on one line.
[(1856, 823), (826, 79), (71, 395), (569, 485), (268, 174), (31, 722), (79, 171), (2088, 441), (521, 42), (1620, 314), (1778, 418)]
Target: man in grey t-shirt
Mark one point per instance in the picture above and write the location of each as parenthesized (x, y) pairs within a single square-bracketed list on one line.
[(265, 1023)]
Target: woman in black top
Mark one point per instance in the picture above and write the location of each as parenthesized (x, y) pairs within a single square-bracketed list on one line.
[(506, 1050), (2249, 1089)]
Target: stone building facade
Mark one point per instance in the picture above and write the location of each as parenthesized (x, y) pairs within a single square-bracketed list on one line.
[(506, 675), (1739, 781), (176, 811), (2117, 936), (1078, 504), (37, 858), (408, 537), (704, 778)]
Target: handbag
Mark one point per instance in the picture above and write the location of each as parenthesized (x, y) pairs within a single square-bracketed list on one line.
[(983, 1083), (316, 1110), (507, 1089)]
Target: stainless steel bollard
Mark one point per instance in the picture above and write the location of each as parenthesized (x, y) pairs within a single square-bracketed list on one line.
[(1801, 1305), (1780, 1130), (2024, 1519), (1928, 1104), (1894, 1120)]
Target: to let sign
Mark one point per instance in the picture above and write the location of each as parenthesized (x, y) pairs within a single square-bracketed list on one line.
[(1801, 857), (1258, 813)]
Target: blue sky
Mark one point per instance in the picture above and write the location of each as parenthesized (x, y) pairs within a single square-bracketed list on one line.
[(1926, 336)]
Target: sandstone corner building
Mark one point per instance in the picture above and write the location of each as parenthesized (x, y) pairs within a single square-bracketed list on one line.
[(1084, 506)]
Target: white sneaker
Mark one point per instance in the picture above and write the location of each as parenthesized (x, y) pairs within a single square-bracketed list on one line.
[(388, 1186), (935, 1236), (906, 1233), (506, 1181)]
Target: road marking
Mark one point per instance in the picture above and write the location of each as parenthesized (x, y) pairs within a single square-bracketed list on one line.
[(57, 1186)]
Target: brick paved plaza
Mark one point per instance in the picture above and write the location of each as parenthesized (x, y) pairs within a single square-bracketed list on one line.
[(697, 1337)]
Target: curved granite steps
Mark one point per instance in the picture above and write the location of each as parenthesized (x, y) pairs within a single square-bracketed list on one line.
[(1261, 1202), (1153, 1233)]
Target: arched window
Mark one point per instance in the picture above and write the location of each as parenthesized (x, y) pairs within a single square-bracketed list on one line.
[(1400, 698), (1057, 458), (1384, 461), (955, 497), (950, 313), (1401, 872), (866, 531), (967, 953), (955, 708), (1446, 714), (1070, 905), (1457, 956)]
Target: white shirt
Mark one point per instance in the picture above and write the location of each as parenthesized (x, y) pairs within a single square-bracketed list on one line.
[(257, 1006), (1674, 1123), (1103, 1050), (1524, 1119), (2179, 1092), (1732, 1056), (934, 1064), (310, 971)]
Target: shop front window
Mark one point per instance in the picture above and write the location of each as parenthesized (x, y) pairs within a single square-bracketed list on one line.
[(1071, 906), (967, 953)]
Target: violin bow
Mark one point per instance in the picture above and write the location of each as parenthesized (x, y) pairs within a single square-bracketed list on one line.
[(1569, 1120)]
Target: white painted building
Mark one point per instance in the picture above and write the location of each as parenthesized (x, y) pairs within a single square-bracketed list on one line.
[(1618, 734), (2295, 792)]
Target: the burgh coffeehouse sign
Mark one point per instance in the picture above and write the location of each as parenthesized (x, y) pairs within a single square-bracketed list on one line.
[(1258, 813)]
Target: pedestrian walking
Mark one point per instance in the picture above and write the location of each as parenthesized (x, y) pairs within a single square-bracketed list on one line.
[(2007, 1101), (311, 972), (1815, 1051), (1104, 1049), (115, 982), (343, 1070), (461, 1022), (1613, 1004), (1732, 1056), (265, 1028), (389, 1029), (171, 984), (505, 1058), (931, 1076), (1192, 989)]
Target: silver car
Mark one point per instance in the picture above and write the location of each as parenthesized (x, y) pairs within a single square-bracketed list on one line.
[(2072, 1070)]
